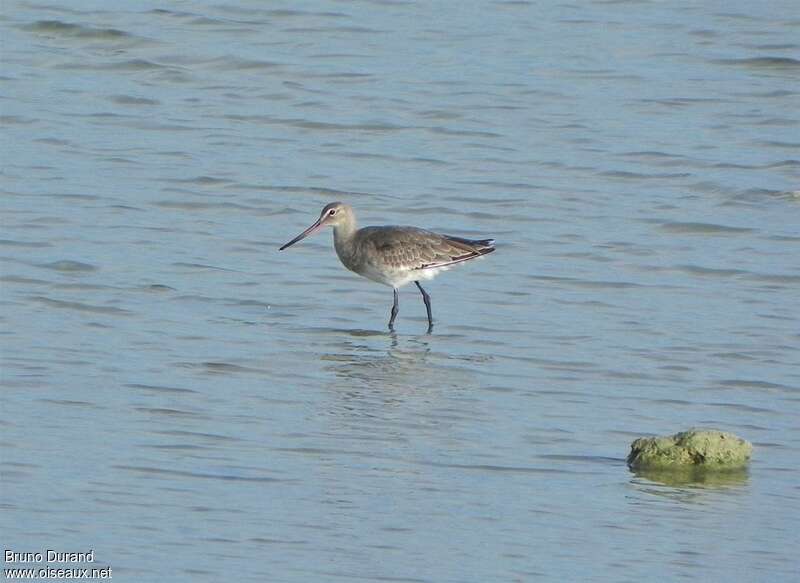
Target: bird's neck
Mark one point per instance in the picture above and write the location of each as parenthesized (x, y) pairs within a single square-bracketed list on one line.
[(343, 235)]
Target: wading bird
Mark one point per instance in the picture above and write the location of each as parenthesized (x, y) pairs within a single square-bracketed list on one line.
[(393, 255)]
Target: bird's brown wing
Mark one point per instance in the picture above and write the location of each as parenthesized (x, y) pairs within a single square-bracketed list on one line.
[(408, 248)]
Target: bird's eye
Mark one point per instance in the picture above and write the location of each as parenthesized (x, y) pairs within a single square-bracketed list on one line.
[(331, 212)]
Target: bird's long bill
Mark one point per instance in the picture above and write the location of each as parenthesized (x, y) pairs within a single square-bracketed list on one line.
[(309, 231)]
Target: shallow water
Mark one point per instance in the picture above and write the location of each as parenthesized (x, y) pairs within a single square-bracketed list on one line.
[(195, 406)]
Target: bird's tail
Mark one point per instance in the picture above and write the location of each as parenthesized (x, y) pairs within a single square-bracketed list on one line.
[(482, 246)]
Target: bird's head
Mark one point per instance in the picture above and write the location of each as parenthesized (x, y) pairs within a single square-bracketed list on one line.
[(333, 214)]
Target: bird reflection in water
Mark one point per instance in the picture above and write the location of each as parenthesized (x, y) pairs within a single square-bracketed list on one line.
[(366, 364), (401, 382)]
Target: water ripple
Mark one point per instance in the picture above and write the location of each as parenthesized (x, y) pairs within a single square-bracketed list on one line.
[(82, 307), (155, 472)]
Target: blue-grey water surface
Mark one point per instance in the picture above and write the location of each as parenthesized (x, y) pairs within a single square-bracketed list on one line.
[(196, 406)]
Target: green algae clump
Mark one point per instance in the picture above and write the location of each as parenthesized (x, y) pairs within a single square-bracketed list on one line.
[(699, 448)]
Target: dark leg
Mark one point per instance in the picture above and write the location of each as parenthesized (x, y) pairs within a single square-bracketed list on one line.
[(427, 299), (395, 309)]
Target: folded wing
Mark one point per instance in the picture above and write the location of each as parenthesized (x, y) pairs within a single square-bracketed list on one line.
[(410, 248)]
